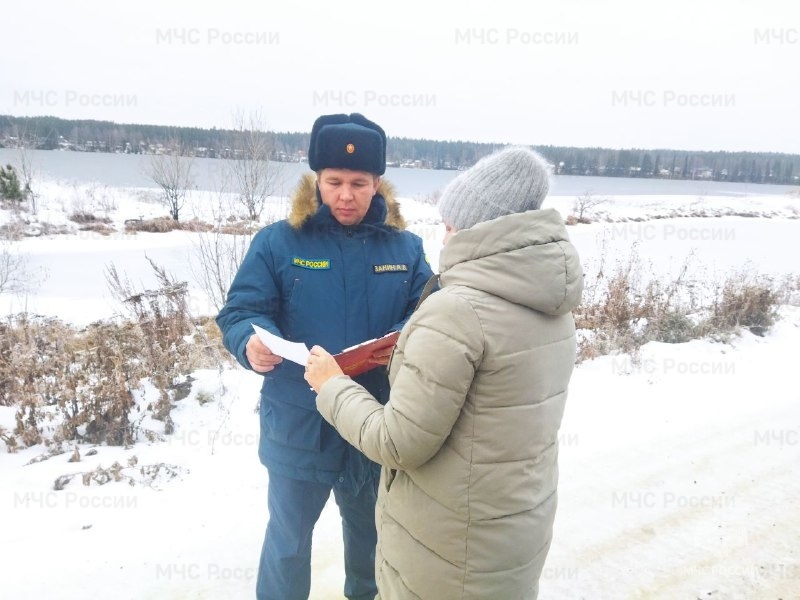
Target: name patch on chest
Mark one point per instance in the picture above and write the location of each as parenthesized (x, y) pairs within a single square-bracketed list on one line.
[(389, 268), (312, 263)]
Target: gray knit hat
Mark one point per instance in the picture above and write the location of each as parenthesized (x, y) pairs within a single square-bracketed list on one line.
[(510, 181)]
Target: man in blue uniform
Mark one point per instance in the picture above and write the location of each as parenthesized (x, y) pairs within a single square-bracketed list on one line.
[(339, 270)]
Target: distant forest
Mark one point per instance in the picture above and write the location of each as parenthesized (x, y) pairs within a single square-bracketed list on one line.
[(51, 133)]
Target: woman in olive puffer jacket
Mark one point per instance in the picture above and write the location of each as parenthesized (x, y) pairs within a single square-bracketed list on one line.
[(468, 439)]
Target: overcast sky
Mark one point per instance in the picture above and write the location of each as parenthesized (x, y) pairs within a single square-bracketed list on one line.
[(675, 74)]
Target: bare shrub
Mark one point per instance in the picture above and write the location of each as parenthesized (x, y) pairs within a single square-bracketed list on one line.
[(623, 311), (162, 316), (218, 259), (583, 206), (12, 268), (218, 253), (69, 384), (9, 440), (13, 230), (97, 400), (675, 327), (28, 142), (253, 174), (172, 172), (84, 380), (789, 289), (744, 300)]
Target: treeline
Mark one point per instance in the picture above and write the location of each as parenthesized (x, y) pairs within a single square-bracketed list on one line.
[(107, 136)]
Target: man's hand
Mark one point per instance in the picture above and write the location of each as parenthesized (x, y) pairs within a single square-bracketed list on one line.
[(260, 357), (321, 367)]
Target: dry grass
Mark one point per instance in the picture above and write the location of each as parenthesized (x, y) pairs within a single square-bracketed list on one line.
[(165, 225), (621, 311), (69, 384), (743, 301), (239, 227), (87, 217), (98, 227), (81, 384)]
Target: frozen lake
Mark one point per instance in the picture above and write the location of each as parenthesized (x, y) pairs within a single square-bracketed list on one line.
[(129, 170)]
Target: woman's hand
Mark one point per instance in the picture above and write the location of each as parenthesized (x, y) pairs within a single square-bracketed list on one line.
[(382, 356), (321, 366)]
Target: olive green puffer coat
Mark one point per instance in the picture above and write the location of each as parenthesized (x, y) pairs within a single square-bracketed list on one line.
[(468, 439)]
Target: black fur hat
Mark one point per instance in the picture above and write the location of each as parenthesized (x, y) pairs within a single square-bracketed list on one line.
[(347, 142)]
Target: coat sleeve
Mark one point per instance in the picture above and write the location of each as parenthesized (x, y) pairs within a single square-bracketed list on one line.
[(422, 272), (441, 354), (253, 298)]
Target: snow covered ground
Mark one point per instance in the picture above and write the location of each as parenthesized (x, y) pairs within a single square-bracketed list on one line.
[(679, 472)]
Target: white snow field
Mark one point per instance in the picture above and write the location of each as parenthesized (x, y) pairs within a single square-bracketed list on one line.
[(680, 472)]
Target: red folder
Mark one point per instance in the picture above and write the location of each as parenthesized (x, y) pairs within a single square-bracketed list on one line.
[(357, 360)]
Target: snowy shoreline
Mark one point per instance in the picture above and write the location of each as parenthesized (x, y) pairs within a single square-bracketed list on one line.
[(665, 230)]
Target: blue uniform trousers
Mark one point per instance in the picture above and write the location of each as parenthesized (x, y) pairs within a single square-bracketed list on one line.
[(294, 507)]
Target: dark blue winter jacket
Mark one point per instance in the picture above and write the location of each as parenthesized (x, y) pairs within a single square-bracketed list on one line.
[(310, 279)]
